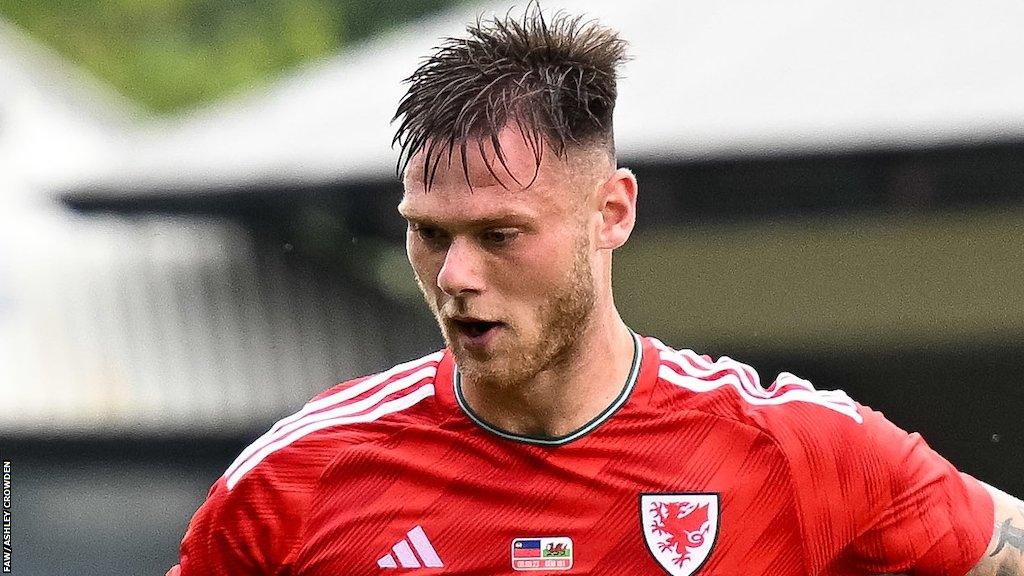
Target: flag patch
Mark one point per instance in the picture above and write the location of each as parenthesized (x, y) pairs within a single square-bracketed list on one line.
[(542, 553)]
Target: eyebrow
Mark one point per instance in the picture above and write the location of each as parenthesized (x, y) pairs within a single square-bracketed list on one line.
[(490, 220)]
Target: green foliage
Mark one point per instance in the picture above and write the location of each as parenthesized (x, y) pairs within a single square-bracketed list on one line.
[(174, 54), (361, 19)]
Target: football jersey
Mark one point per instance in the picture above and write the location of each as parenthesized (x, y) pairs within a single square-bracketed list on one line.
[(695, 468)]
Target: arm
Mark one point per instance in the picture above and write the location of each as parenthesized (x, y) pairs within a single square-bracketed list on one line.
[(885, 502), (1005, 553), (226, 535)]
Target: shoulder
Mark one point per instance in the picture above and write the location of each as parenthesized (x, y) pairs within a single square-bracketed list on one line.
[(255, 511), (731, 389), (347, 413), (812, 428), (865, 491)]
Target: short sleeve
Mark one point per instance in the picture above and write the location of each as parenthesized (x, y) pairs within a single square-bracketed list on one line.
[(874, 499), (247, 530), (254, 515)]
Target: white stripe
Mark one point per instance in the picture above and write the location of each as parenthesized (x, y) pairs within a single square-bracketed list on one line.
[(747, 376), (697, 363), (750, 378), (787, 379), (700, 366), (372, 381), (387, 561), (836, 400), (405, 555), (746, 380), (347, 409), (337, 397), (422, 545), (365, 403), (658, 343), (389, 407)]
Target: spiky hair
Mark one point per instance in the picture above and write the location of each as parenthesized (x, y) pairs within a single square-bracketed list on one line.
[(554, 79)]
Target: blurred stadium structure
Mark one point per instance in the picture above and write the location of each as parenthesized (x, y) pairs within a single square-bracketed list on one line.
[(829, 188)]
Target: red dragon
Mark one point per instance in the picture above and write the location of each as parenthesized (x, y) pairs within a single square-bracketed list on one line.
[(684, 523), (556, 549)]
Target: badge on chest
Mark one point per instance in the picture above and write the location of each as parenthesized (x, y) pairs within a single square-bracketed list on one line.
[(680, 530), (542, 553)]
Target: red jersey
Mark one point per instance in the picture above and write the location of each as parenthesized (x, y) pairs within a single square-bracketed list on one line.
[(694, 469)]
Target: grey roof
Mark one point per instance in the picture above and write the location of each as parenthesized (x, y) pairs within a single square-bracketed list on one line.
[(56, 122), (707, 80)]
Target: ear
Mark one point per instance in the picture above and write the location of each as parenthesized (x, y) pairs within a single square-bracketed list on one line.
[(616, 200)]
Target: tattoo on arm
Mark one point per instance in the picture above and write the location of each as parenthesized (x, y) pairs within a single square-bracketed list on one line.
[(1009, 535), (1006, 547)]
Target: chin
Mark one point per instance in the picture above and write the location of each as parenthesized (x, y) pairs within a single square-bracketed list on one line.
[(489, 370), (479, 372)]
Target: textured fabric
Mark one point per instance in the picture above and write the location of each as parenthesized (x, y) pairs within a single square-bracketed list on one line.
[(388, 475)]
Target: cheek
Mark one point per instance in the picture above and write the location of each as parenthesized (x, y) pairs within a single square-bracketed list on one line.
[(540, 269), (425, 263)]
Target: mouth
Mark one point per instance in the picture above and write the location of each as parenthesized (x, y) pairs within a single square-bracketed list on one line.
[(474, 332)]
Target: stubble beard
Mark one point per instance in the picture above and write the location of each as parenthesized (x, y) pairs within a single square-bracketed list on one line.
[(563, 318)]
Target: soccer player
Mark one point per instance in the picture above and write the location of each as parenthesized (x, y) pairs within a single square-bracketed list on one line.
[(547, 436)]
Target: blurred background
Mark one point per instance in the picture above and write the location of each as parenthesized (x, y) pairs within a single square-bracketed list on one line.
[(198, 233)]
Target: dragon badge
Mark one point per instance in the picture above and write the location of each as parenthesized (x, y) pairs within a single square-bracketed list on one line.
[(680, 529)]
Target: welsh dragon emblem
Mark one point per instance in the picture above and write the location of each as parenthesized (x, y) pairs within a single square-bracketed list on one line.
[(680, 529)]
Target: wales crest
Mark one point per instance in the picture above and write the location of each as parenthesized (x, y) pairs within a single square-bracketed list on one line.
[(680, 529)]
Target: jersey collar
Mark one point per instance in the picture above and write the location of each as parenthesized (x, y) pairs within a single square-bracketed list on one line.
[(587, 428)]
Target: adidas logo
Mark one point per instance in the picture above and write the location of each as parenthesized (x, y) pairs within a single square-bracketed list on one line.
[(402, 554)]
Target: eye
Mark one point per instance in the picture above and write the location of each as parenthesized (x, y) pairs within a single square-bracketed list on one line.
[(499, 236), (428, 234)]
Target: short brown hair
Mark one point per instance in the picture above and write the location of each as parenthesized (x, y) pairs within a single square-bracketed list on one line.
[(554, 78)]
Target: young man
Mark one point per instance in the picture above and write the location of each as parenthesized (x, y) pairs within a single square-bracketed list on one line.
[(547, 436)]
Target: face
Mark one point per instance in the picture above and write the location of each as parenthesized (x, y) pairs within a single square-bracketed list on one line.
[(506, 270)]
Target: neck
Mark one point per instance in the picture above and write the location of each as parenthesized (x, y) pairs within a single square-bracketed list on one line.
[(563, 397)]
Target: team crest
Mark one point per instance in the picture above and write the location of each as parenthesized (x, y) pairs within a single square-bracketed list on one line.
[(680, 529)]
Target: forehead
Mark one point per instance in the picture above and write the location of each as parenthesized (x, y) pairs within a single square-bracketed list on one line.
[(483, 186)]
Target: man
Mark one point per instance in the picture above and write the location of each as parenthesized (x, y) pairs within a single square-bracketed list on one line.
[(547, 436)]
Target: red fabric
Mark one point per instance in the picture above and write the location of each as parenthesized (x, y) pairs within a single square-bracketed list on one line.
[(802, 488)]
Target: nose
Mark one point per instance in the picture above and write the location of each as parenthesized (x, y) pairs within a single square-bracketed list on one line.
[(460, 272)]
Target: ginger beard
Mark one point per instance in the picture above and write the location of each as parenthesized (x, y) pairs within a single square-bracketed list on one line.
[(561, 315)]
